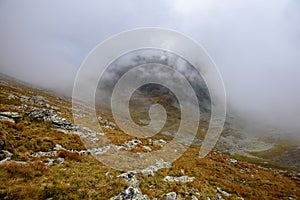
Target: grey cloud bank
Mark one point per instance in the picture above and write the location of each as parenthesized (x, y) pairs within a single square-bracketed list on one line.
[(255, 44)]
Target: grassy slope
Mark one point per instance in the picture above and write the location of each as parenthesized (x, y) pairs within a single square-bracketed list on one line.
[(85, 178)]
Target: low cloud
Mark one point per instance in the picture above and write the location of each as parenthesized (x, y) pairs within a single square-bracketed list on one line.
[(255, 44)]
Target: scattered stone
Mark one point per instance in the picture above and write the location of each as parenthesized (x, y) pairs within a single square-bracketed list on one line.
[(218, 197), (47, 115), (224, 193), (231, 161), (38, 100), (24, 98), (100, 150), (106, 124), (149, 171), (94, 140), (3, 83), (40, 114), (13, 115), (170, 196), (131, 193), (159, 142), (162, 164), (63, 123), (5, 160), (58, 147), (108, 174), (183, 179), (194, 198), (44, 154), (132, 144), (112, 125), (53, 153), (11, 96), (147, 148), (84, 152), (6, 119), (9, 116), (6, 153), (55, 108), (5, 156), (50, 162), (59, 160), (130, 178), (194, 191), (87, 129)]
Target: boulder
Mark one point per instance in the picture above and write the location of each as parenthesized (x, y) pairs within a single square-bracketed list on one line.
[(57, 147), (130, 178), (171, 196), (6, 119), (159, 142), (132, 144), (47, 115), (41, 114), (194, 198), (149, 171), (147, 148), (13, 115), (182, 179), (131, 193), (5, 155), (11, 96), (59, 160), (37, 99), (231, 161), (222, 192)]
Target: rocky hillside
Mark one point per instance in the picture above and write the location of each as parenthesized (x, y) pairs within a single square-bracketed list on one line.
[(42, 157)]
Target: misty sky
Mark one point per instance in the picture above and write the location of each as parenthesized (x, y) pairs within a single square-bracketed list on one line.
[(255, 44)]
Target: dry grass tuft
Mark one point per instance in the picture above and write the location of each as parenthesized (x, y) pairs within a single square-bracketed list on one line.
[(26, 170), (69, 155)]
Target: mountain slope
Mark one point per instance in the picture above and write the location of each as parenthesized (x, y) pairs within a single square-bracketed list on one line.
[(43, 157)]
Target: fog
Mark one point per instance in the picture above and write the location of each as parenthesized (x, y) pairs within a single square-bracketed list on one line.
[(255, 44)]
